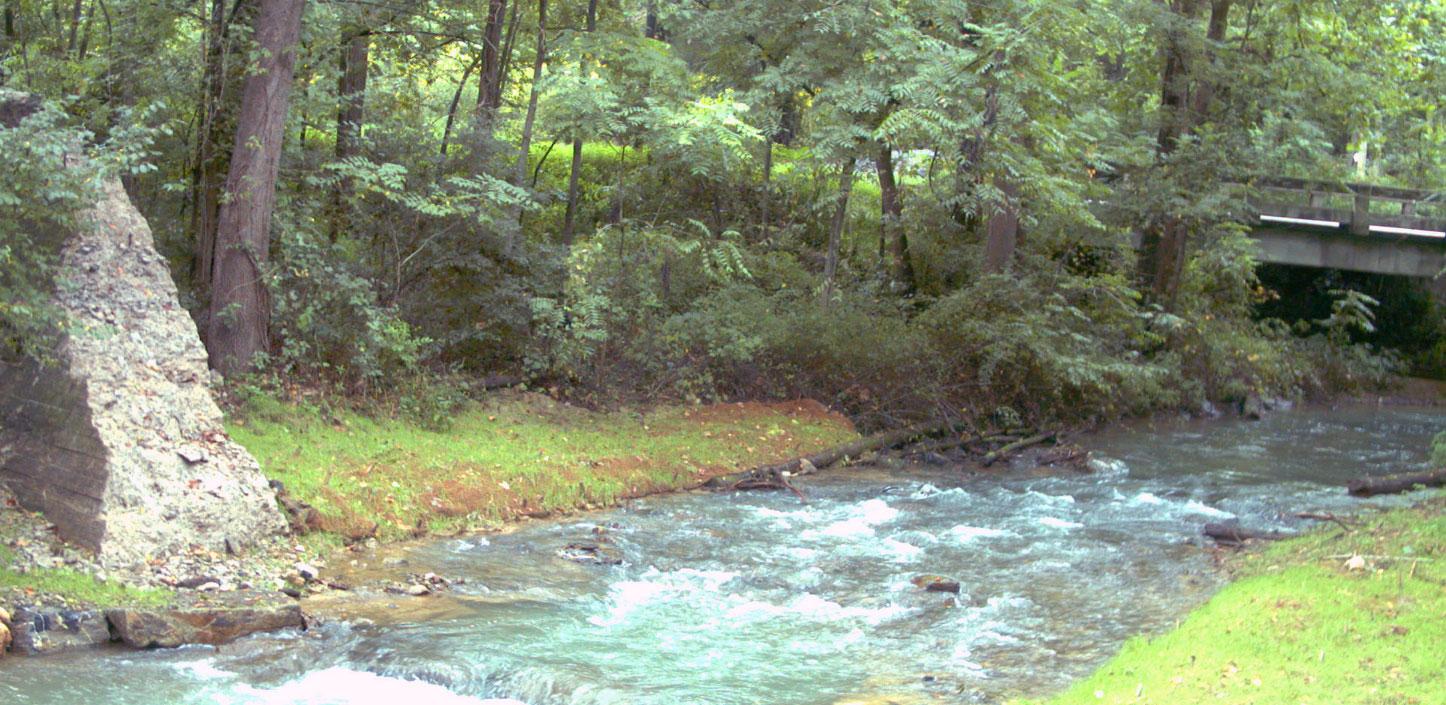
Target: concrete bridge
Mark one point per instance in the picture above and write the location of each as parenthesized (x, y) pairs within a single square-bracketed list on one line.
[(1356, 227)]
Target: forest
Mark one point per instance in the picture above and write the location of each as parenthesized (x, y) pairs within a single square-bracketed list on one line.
[(475, 335), (1004, 208)]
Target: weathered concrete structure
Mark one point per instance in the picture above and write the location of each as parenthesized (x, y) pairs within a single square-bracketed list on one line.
[(1354, 227), (120, 444)]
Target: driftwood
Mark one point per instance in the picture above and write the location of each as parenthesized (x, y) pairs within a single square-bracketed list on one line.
[(1327, 516), (1391, 484), (775, 477), (1005, 451), (1231, 532)]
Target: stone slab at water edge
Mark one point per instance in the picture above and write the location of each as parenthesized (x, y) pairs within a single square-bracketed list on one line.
[(120, 443)]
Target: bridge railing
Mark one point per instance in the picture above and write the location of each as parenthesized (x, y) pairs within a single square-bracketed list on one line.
[(1357, 207)]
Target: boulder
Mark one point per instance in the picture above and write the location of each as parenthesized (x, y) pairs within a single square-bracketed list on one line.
[(204, 623), (936, 583), (37, 632), (120, 443), (594, 553)]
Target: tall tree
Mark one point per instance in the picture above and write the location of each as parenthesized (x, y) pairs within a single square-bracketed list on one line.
[(351, 93), (240, 308), (835, 231), (569, 219), (1186, 90), (216, 127), (891, 231), (489, 86), (524, 147)]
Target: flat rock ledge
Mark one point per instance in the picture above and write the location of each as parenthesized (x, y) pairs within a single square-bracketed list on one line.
[(213, 620)]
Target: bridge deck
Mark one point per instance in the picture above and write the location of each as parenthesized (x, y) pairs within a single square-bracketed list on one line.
[(1355, 227)]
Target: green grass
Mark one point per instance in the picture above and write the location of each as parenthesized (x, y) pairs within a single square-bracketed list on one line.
[(525, 455), (1299, 627), (75, 586)]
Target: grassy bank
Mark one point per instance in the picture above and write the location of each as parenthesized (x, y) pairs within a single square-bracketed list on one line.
[(48, 585), (516, 455), (1305, 624)]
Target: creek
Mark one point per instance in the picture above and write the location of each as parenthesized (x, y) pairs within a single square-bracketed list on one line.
[(744, 598)]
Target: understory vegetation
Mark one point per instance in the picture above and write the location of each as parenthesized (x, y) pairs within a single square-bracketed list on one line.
[(1338, 616)]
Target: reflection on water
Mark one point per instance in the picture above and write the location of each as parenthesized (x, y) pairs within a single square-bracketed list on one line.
[(758, 598)]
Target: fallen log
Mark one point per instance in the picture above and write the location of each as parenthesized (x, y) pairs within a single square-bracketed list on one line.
[(1391, 484), (1005, 451), (775, 476), (1231, 532)]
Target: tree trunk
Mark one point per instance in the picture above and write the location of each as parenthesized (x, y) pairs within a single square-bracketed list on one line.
[(456, 101), (216, 127), (525, 144), (351, 91), (569, 220), (1232, 533), (891, 208), (1184, 101), (1002, 232), (1391, 484), (767, 205), (835, 231), (240, 310), (489, 86), (651, 31)]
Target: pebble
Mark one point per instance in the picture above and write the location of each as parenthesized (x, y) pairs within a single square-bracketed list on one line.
[(418, 590), (209, 587), (307, 571)]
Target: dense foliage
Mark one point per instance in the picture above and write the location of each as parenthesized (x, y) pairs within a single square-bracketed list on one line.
[(900, 208)]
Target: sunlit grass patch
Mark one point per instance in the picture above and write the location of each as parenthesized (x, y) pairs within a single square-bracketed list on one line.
[(520, 455), (1333, 617), (72, 585)]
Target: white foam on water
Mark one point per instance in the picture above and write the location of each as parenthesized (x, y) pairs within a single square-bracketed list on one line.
[(342, 686), (1057, 523), (816, 608), (783, 517), (1108, 467), (1194, 507), (470, 544), (875, 511), (204, 669), (1146, 498), (847, 529), (626, 597), (900, 551), (1057, 500), (813, 608), (928, 490), (964, 533)]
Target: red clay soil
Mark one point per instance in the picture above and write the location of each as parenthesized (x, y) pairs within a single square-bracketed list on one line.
[(802, 409)]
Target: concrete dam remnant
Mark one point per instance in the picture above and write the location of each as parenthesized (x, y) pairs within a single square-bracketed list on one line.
[(119, 442)]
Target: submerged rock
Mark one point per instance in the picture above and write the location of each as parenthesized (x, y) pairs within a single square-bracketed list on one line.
[(203, 623), (936, 583), (591, 553)]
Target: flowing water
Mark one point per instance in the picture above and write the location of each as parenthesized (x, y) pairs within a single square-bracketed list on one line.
[(758, 598)]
